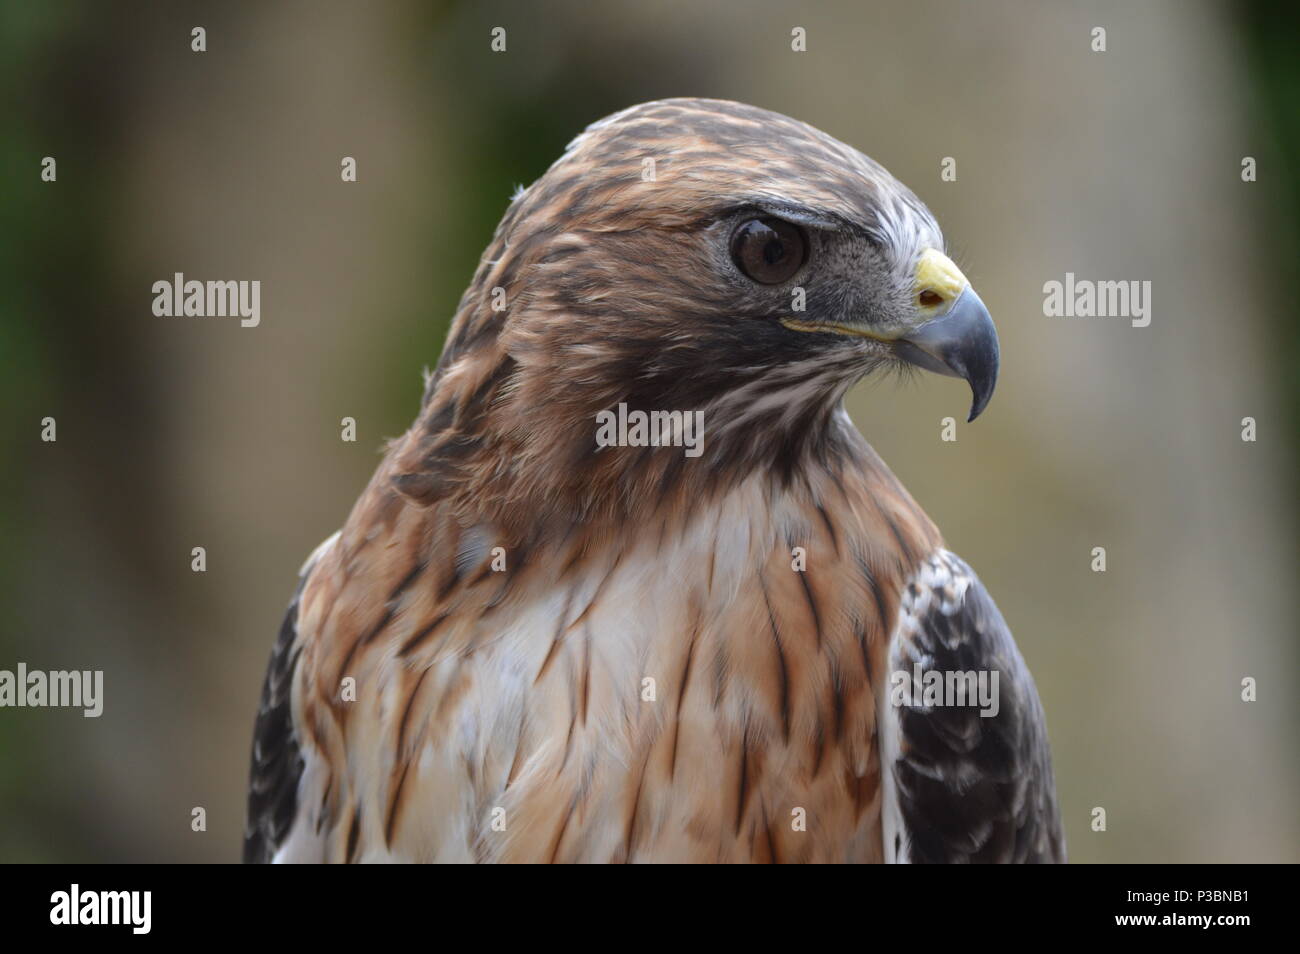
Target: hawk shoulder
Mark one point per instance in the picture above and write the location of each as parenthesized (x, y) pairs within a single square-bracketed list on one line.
[(972, 781), (277, 762)]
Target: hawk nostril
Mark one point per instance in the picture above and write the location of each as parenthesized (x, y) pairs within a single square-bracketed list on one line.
[(929, 298)]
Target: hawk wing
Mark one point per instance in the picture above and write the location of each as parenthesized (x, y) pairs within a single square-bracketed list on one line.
[(961, 786), (276, 772)]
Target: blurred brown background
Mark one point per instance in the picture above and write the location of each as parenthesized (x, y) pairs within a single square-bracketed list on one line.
[(225, 164)]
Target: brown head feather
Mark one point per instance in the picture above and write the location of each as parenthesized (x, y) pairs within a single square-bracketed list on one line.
[(618, 289)]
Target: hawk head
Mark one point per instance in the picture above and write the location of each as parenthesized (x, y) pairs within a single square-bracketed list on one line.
[(687, 255)]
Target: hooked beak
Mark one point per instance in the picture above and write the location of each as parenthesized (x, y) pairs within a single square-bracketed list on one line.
[(961, 343), (956, 339)]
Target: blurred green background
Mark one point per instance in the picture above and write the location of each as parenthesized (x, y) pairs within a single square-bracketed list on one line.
[(225, 164)]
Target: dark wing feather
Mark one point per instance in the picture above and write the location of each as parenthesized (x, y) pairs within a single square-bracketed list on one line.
[(277, 762), (970, 788)]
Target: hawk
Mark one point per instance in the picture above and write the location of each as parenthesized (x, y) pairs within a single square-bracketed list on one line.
[(527, 644)]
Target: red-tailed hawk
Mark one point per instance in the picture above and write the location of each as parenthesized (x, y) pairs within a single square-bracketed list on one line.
[(632, 587)]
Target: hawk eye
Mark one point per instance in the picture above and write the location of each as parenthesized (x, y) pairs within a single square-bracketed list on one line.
[(769, 250)]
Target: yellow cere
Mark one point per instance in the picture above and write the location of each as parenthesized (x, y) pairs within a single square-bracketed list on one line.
[(936, 272)]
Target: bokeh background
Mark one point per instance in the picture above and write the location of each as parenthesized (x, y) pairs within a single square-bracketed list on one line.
[(181, 433)]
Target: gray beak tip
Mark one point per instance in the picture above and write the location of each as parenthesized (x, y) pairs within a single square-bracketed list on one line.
[(983, 379), (961, 343)]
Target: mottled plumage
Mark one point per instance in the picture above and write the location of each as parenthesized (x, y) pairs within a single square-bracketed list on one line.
[(570, 652)]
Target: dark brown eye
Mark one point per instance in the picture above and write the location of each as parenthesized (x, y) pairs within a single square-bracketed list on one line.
[(769, 250)]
